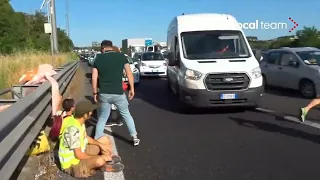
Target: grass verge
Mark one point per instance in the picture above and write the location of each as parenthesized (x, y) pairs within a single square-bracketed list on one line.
[(15, 65)]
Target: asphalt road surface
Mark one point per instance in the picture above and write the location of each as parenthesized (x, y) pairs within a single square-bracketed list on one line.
[(218, 144)]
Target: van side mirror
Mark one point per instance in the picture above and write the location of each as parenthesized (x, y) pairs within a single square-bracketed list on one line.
[(258, 54), (171, 60)]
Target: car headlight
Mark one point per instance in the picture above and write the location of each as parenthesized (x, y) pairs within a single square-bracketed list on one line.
[(256, 72), (192, 74)]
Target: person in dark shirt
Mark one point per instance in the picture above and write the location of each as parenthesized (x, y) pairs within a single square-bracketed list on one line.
[(109, 66)]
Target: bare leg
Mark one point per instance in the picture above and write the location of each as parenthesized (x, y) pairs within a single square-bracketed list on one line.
[(312, 104), (105, 140)]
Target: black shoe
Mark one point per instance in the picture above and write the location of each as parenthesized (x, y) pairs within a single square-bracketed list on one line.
[(110, 124), (115, 160)]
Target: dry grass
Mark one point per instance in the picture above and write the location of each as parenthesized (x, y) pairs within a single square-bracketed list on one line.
[(15, 65)]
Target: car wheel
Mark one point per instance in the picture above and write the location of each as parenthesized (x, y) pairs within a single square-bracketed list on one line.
[(307, 89), (264, 81)]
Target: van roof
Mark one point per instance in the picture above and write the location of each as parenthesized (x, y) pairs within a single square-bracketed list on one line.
[(207, 21)]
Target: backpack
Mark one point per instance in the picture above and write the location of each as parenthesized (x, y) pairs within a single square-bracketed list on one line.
[(56, 127)]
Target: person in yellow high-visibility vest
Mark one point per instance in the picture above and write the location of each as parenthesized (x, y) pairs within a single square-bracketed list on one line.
[(79, 154)]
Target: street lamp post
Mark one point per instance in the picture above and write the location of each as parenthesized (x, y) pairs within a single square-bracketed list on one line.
[(67, 19), (54, 26)]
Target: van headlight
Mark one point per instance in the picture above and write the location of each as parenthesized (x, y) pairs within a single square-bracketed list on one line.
[(192, 74), (256, 72)]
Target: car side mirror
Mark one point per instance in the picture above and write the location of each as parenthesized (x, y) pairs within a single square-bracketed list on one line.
[(293, 63), (258, 55)]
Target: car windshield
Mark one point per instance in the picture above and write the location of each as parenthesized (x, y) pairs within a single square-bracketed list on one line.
[(310, 57), (152, 57), (214, 45)]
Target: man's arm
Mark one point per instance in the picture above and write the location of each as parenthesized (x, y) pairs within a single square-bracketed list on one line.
[(94, 76), (94, 80)]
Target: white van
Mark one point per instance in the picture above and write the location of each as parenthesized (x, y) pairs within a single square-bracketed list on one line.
[(210, 62)]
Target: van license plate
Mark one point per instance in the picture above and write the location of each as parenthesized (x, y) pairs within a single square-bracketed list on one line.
[(228, 96), (154, 70)]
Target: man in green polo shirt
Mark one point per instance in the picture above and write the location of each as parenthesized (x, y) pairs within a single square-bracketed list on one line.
[(109, 66)]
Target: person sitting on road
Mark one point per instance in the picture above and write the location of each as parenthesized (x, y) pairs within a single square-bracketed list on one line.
[(67, 108), (79, 153), (304, 111)]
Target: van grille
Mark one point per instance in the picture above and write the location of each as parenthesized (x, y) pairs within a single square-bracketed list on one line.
[(227, 81)]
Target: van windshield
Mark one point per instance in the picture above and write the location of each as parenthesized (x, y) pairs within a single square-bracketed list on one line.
[(214, 45)]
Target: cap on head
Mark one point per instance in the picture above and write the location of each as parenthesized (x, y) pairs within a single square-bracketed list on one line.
[(67, 104), (83, 107), (106, 43)]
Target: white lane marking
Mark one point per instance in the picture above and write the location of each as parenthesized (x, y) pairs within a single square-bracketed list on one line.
[(265, 110), (110, 176), (113, 176), (292, 118)]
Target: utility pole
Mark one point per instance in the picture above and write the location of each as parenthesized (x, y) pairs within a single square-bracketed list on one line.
[(51, 39), (67, 19), (54, 26)]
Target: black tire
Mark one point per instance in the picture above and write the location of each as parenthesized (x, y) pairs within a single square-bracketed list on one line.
[(307, 89), (264, 81)]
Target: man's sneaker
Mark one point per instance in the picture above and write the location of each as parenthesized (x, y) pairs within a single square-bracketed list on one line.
[(113, 168), (303, 114), (110, 124), (115, 159), (136, 141)]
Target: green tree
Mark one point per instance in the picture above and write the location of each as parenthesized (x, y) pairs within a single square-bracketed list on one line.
[(20, 31)]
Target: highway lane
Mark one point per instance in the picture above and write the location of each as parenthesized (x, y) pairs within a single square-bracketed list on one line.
[(219, 144)]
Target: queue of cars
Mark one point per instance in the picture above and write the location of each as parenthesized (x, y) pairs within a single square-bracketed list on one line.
[(212, 64)]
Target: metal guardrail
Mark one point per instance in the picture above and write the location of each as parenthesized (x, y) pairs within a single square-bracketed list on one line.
[(23, 120)]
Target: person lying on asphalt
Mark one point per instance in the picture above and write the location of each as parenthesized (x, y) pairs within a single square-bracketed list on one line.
[(79, 154), (304, 111), (109, 66)]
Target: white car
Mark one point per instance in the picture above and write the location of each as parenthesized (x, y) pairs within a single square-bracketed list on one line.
[(153, 64), (135, 71)]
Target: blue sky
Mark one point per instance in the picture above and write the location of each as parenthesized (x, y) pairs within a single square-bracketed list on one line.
[(95, 20)]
